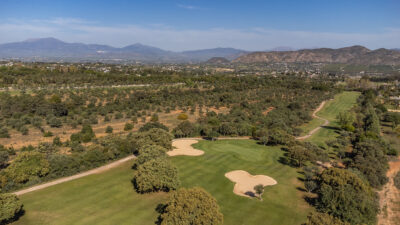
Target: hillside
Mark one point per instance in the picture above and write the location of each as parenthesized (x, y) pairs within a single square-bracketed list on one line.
[(353, 55), (217, 60), (51, 49)]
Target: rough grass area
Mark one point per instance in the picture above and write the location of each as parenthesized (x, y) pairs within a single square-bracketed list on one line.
[(341, 103), (109, 198)]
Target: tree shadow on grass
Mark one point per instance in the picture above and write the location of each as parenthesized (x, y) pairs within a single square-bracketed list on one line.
[(15, 218), (331, 128), (160, 208)]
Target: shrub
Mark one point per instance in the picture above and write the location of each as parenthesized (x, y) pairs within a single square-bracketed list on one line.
[(57, 141), (396, 180), (183, 116), (109, 129), (316, 218), (4, 133), (10, 208), (48, 134), (54, 122), (128, 127), (191, 206), (118, 115)]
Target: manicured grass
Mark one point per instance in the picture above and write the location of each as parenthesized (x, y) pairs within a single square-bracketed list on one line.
[(341, 103), (109, 198)]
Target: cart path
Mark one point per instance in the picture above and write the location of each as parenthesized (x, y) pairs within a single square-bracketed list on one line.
[(76, 176), (314, 115)]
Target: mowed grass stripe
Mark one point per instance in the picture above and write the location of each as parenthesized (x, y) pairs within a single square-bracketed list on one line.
[(109, 198), (342, 102)]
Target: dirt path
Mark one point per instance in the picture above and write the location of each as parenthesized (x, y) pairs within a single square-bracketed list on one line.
[(76, 176), (314, 115), (389, 198)]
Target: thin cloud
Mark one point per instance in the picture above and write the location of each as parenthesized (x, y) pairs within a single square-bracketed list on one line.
[(169, 38), (189, 7)]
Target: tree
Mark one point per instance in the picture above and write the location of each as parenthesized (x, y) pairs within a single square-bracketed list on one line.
[(27, 166), (10, 208), (156, 175), (54, 122), (149, 152), (370, 159), (4, 156), (85, 135), (192, 206), (278, 136), (310, 185), (4, 132), (298, 155), (128, 127), (151, 125), (344, 195), (184, 129), (109, 129), (259, 188), (154, 118), (316, 218)]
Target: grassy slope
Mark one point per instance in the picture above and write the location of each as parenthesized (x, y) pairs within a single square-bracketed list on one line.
[(341, 103), (108, 198)]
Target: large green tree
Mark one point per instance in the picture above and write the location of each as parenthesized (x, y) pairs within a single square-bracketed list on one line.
[(10, 208), (156, 175), (192, 206), (27, 166), (344, 195)]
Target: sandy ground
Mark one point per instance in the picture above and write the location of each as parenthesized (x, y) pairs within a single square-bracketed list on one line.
[(245, 182), (394, 110), (389, 198), (74, 177), (184, 147), (314, 115)]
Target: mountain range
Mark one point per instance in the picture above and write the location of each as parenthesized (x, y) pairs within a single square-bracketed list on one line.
[(349, 55), (51, 49)]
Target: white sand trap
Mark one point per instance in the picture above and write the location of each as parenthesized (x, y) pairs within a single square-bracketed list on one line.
[(245, 182), (184, 147)]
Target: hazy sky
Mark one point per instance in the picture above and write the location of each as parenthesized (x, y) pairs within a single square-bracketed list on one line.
[(196, 24)]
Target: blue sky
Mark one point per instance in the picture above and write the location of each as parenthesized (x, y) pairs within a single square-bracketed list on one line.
[(196, 24)]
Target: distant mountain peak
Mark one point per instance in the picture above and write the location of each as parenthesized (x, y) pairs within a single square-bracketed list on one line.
[(354, 55), (47, 39)]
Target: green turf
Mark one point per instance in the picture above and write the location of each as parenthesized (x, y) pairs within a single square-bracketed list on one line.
[(341, 103), (109, 198)]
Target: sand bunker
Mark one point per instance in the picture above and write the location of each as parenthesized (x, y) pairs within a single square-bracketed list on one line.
[(245, 182), (184, 147)]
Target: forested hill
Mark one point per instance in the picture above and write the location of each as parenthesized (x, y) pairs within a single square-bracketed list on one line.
[(352, 55)]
